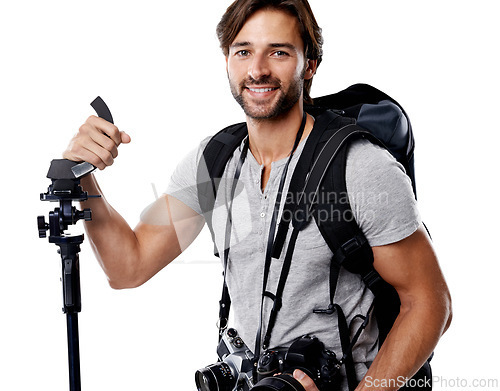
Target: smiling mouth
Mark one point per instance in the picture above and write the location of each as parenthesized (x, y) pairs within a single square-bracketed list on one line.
[(268, 89)]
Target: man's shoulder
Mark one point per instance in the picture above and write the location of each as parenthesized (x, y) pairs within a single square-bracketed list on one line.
[(380, 194), (372, 168), (366, 156)]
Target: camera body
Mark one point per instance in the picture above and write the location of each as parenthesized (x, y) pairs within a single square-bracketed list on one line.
[(234, 371), (307, 354)]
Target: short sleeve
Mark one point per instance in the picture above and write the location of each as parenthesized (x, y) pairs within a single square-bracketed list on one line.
[(183, 182), (380, 194)]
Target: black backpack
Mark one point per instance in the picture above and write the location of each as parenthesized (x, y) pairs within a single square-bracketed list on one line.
[(360, 111)]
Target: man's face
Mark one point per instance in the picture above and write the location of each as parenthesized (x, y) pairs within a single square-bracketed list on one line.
[(266, 65)]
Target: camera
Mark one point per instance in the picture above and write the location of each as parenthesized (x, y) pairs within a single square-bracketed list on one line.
[(275, 367), (307, 354), (234, 369)]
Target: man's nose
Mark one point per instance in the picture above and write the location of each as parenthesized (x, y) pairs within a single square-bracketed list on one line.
[(259, 67)]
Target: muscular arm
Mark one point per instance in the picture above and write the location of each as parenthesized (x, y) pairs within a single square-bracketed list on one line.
[(131, 257), (412, 268)]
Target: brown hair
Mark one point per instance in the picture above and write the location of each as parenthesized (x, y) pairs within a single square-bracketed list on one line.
[(240, 11)]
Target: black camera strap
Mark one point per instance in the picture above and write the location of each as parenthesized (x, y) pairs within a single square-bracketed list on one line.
[(300, 216), (225, 302), (271, 237)]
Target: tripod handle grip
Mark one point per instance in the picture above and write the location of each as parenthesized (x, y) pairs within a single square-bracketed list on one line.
[(102, 110)]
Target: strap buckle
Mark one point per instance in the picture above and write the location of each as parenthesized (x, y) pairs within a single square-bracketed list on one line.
[(330, 310), (371, 279), (351, 246), (347, 249)]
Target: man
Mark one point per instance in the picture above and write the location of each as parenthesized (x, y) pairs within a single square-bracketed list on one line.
[(272, 51)]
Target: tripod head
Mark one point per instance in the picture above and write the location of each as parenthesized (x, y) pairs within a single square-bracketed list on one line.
[(64, 190)]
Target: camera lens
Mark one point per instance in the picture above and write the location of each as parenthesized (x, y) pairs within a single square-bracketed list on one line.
[(216, 377), (283, 382)]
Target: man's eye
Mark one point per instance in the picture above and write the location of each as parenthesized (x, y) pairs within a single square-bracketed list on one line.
[(242, 53), (280, 53)]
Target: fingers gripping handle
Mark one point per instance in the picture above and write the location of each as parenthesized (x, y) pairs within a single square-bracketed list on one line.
[(102, 111)]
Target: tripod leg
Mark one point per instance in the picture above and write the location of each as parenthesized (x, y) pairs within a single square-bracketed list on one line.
[(69, 248), (73, 352)]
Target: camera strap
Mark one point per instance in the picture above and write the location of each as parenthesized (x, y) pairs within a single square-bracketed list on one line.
[(271, 237), (297, 191), (225, 302)]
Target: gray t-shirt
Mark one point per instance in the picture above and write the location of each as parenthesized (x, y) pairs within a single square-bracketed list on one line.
[(383, 204)]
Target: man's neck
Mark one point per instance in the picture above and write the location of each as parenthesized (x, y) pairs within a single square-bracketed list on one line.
[(273, 139)]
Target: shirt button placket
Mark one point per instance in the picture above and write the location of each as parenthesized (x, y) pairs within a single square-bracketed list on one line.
[(263, 211)]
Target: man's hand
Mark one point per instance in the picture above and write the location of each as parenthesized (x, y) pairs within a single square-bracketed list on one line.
[(96, 142), (305, 380)]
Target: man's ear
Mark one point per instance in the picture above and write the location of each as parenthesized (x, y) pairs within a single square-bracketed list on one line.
[(312, 65)]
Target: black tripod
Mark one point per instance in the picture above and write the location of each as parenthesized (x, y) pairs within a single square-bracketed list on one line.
[(65, 189), (69, 247)]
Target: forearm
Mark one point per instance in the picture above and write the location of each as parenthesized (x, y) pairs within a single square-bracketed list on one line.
[(113, 241), (411, 341)]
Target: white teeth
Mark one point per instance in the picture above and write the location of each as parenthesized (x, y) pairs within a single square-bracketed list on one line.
[(261, 89)]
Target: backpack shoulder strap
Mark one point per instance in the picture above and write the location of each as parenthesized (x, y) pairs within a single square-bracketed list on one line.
[(325, 195), (334, 218), (326, 123), (221, 146), (216, 154)]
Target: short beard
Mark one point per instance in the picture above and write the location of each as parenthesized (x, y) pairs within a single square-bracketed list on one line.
[(284, 104)]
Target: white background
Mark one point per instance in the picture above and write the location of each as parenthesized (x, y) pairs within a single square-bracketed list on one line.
[(159, 68)]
